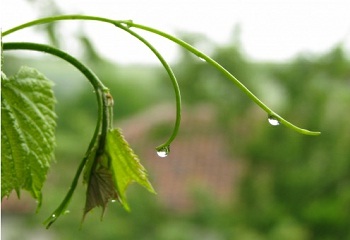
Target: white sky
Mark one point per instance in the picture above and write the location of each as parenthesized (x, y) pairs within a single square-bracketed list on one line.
[(270, 30)]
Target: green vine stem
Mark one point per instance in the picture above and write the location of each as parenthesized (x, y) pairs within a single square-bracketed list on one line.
[(183, 44), (59, 18), (226, 73), (120, 24), (173, 81), (102, 94)]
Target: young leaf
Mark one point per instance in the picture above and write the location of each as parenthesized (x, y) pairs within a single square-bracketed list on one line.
[(101, 187), (112, 172), (100, 190), (27, 132), (125, 165)]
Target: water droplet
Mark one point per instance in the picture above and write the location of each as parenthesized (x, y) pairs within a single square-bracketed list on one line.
[(113, 200), (53, 215), (164, 152), (202, 59), (273, 121)]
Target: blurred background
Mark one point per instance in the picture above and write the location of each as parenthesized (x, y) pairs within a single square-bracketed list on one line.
[(230, 175)]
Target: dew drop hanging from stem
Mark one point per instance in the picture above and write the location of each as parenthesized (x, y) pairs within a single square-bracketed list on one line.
[(164, 152), (273, 121)]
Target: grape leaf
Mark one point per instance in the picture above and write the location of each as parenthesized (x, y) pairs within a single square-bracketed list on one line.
[(125, 165), (113, 171), (28, 124), (100, 183)]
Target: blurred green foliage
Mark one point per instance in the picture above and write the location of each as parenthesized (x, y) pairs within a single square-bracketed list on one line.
[(294, 186)]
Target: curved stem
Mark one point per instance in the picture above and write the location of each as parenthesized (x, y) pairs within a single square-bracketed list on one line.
[(173, 81), (119, 25), (99, 91), (59, 18), (179, 42), (226, 73)]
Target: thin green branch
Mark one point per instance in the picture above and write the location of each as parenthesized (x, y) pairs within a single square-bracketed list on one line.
[(226, 73), (179, 42), (119, 25), (58, 18), (173, 81), (100, 90)]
